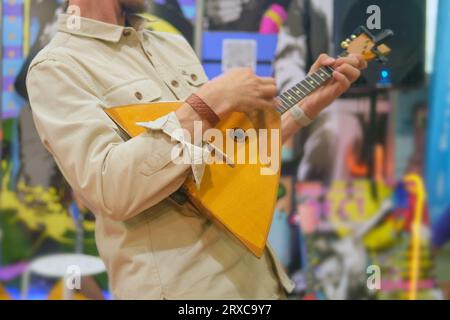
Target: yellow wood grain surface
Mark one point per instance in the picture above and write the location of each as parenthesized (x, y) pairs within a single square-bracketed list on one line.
[(239, 197)]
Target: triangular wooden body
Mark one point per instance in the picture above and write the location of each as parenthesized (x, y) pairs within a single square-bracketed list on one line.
[(240, 197)]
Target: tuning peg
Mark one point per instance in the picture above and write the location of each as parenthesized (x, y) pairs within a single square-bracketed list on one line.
[(348, 41), (353, 37), (344, 44)]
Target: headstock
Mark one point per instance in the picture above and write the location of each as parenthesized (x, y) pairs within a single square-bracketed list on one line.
[(371, 47)]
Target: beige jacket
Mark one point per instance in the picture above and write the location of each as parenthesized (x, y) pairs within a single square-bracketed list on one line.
[(153, 248)]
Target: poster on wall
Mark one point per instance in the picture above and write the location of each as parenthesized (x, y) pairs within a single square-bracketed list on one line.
[(249, 28)]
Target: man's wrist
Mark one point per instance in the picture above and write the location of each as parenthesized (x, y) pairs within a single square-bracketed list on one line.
[(310, 111), (219, 105), (300, 116), (205, 112), (188, 117)]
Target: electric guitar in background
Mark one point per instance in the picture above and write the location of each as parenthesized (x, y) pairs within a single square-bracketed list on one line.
[(238, 196)]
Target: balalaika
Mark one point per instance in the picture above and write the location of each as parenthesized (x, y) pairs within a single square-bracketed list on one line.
[(238, 196)]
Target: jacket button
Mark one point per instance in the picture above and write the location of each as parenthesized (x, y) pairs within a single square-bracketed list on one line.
[(175, 83), (126, 33), (194, 77), (138, 95)]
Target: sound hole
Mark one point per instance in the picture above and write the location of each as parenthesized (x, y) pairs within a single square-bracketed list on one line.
[(238, 135)]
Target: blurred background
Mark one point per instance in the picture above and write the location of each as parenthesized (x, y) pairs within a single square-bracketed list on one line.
[(364, 201)]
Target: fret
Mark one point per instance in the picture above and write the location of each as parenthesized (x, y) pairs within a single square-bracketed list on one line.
[(281, 107), (284, 100), (292, 93), (298, 92), (313, 82), (290, 98), (328, 70), (304, 83), (284, 106), (323, 75), (317, 78), (304, 88)]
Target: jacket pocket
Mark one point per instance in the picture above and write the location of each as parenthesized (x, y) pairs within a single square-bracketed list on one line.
[(131, 92), (193, 74)]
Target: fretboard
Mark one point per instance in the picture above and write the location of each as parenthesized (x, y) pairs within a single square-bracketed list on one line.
[(297, 93)]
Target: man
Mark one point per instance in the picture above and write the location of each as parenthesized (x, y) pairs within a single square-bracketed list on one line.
[(154, 246)]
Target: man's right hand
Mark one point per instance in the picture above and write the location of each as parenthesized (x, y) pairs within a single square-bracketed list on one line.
[(239, 90)]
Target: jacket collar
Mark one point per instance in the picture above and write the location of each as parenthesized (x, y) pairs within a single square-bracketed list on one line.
[(91, 28)]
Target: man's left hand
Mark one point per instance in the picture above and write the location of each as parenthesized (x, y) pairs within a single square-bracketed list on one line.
[(346, 71)]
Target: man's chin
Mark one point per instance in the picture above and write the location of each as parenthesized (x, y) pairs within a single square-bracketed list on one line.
[(133, 6)]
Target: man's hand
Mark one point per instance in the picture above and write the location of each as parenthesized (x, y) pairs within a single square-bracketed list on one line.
[(239, 90), (347, 71)]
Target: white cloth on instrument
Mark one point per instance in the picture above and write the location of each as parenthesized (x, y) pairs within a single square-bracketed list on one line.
[(195, 155)]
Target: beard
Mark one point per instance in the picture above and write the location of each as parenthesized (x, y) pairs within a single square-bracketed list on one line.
[(133, 6)]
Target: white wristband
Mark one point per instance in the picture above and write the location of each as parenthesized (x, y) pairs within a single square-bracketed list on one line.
[(300, 116)]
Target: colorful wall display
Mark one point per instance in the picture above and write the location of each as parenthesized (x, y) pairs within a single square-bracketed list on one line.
[(438, 142), (13, 54)]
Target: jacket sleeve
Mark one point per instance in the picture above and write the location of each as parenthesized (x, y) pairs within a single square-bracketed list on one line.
[(114, 177)]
